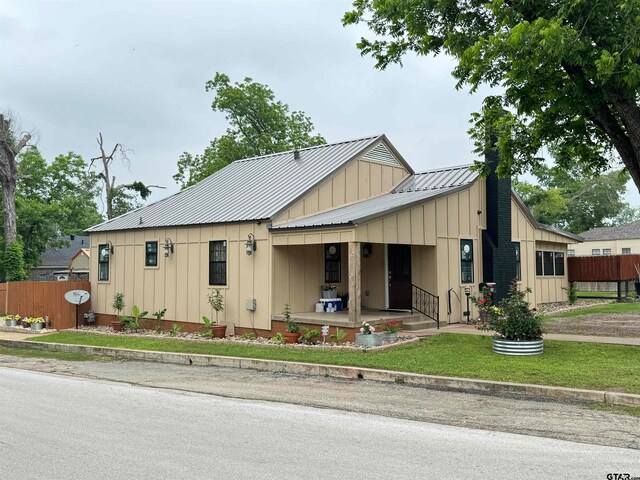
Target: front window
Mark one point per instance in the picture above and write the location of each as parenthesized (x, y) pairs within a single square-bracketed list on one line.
[(332, 263), (548, 263), (151, 254), (103, 262), (571, 253), (595, 251), (606, 251), (516, 247), (466, 261), (538, 262), (626, 251), (559, 263), (218, 262)]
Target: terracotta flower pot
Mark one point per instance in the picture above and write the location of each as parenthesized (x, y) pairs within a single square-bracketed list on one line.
[(116, 325), (219, 331), (291, 337)]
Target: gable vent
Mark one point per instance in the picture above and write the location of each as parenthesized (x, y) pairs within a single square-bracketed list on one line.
[(381, 154)]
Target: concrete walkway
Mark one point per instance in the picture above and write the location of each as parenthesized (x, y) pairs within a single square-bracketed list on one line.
[(6, 334), (472, 330)]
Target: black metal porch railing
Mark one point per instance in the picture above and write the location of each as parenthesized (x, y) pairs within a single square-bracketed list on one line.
[(425, 303)]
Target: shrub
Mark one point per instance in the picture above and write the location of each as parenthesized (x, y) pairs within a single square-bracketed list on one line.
[(513, 319), (572, 293), (292, 327), (13, 262)]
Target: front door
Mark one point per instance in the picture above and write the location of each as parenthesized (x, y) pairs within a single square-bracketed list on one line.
[(399, 275)]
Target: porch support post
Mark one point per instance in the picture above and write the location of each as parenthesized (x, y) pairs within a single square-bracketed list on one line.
[(354, 282)]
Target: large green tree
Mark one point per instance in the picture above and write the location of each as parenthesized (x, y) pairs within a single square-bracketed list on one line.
[(258, 125), (568, 70), (53, 199), (576, 202)]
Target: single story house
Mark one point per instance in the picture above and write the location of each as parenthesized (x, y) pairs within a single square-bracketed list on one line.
[(269, 231), (619, 240), (55, 262)]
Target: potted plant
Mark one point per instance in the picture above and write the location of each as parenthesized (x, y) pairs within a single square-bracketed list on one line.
[(368, 337), (390, 331), (216, 301), (517, 326), (292, 330), (118, 305), (36, 323), (132, 323), (11, 320), (329, 291), (484, 303)]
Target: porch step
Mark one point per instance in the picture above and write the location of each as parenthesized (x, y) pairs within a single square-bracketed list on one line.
[(418, 322)]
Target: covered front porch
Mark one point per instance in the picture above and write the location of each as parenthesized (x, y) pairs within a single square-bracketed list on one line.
[(376, 282)]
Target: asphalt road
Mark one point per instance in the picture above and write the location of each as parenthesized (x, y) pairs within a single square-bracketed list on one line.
[(57, 427)]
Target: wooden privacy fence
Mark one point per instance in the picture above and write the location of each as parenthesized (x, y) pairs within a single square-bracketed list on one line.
[(607, 268), (39, 299)]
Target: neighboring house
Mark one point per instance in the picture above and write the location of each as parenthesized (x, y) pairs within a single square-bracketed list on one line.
[(270, 230), (620, 240), (54, 262), (79, 265)]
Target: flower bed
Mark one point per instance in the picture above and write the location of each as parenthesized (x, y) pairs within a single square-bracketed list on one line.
[(244, 339)]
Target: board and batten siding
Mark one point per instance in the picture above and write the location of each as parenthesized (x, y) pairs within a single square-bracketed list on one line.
[(298, 266), (434, 229), (545, 289), (358, 180), (180, 283)]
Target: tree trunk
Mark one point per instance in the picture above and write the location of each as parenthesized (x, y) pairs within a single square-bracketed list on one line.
[(629, 113), (9, 198), (9, 175)]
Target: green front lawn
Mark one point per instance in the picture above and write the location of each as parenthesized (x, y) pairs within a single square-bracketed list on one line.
[(567, 364), (609, 308), (597, 294)]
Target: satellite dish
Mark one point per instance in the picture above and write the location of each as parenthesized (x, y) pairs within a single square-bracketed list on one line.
[(77, 296)]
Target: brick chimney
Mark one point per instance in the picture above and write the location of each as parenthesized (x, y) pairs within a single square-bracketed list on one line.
[(498, 254)]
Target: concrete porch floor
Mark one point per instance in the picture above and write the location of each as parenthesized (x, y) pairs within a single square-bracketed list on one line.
[(341, 318)]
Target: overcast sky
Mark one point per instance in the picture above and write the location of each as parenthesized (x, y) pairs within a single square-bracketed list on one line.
[(136, 70)]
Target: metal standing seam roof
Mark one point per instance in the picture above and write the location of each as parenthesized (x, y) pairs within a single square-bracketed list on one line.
[(251, 189), (413, 190)]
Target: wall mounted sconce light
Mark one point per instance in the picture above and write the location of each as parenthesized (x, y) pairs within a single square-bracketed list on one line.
[(251, 244), (367, 249), (168, 247), (108, 251)]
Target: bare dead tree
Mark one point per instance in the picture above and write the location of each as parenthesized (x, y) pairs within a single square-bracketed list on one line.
[(109, 181), (11, 143)]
